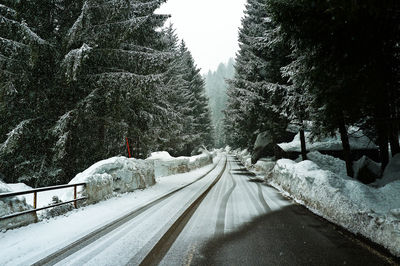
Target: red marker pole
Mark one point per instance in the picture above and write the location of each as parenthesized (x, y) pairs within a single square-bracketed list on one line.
[(127, 145)]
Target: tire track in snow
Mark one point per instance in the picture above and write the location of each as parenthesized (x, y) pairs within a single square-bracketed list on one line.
[(262, 199), (246, 186), (220, 226), (104, 230)]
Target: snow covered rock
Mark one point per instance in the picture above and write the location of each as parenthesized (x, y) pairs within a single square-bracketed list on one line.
[(392, 172), (366, 170), (262, 141), (117, 174), (13, 205)]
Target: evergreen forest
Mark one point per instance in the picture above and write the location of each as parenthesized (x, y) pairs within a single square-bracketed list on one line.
[(80, 79), (331, 64), (216, 85)]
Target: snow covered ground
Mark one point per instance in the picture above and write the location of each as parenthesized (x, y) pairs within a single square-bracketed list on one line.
[(104, 179), (321, 184), (14, 204), (30, 243), (357, 140)]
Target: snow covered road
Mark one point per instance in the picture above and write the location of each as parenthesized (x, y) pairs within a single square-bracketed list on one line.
[(233, 220), (29, 244), (245, 222)]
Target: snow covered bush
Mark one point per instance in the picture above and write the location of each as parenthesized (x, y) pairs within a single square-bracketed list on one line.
[(12, 205), (58, 210)]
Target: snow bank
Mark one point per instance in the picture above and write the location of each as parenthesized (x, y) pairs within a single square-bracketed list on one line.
[(113, 175), (358, 141), (327, 162), (103, 179), (321, 184), (160, 155), (121, 174), (372, 212), (11, 205), (165, 164), (244, 156), (264, 165)]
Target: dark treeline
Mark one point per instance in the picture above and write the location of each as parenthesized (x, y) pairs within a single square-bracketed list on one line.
[(335, 63), (216, 91), (79, 77)]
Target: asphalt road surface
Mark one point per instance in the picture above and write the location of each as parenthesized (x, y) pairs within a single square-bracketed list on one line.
[(228, 217), (245, 222)]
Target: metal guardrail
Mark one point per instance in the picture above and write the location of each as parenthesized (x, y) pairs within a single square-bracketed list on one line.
[(35, 192)]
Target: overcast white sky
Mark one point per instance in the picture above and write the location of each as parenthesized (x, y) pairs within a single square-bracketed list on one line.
[(209, 28)]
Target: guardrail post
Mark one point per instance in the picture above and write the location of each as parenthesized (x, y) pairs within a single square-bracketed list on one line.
[(75, 204), (34, 200)]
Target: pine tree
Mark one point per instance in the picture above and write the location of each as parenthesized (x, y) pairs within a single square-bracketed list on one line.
[(115, 69), (216, 91), (258, 64), (174, 97), (346, 78), (197, 124), (24, 57)]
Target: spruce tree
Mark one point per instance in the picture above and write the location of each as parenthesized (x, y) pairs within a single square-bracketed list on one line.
[(116, 69), (26, 65), (197, 124), (258, 64), (348, 80), (216, 91)]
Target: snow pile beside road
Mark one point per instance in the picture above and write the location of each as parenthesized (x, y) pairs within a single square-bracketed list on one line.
[(114, 175), (121, 174), (165, 164), (327, 162), (103, 179), (245, 157), (160, 155), (11, 205), (372, 212), (263, 165), (200, 160)]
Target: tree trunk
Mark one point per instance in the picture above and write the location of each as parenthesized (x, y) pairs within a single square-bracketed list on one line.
[(346, 147), (394, 139), (303, 145), (383, 145)]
